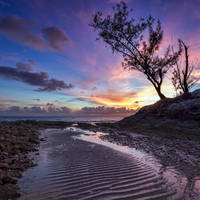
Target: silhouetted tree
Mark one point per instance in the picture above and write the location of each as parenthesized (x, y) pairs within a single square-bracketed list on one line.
[(125, 35), (182, 78)]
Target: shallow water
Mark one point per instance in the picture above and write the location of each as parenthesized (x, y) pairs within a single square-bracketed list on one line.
[(175, 178), (71, 169)]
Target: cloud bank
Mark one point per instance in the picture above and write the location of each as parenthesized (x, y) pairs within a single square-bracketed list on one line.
[(102, 110), (35, 111), (55, 36), (23, 73), (51, 110), (21, 30)]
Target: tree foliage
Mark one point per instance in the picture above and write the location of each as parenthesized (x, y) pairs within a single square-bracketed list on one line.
[(127, 36), (182, 78)]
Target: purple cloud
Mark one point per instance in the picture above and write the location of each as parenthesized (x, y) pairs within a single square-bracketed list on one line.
[(36, 99), (24, 67), (118, 1), (49, 104), (19, 29), (35, 111), (51, 110), (40, 79), (31, 61), (55, 36), (15, 109), (102, 110)]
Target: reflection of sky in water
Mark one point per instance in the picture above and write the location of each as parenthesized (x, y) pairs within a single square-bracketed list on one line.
[(33, 175), (170, 174)]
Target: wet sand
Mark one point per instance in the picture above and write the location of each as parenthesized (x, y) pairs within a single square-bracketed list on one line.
[(72, 169)]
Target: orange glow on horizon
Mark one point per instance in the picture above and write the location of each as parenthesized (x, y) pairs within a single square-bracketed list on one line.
[(130, 100)]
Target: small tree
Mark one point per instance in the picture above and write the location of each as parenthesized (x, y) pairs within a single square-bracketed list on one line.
[(182, 79), (126, 36)]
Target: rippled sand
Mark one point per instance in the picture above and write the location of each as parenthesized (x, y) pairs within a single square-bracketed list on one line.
[(73, 169)]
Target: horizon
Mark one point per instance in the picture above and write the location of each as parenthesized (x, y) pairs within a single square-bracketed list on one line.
[(51, 63)]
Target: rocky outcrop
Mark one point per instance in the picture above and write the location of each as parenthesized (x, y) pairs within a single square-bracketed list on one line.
[(187, 108), (17, 139), (179, 114)]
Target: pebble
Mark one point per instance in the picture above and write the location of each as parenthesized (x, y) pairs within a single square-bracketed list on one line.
[(16, 140)]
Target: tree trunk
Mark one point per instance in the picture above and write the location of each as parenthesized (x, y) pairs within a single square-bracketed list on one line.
[(156, 86), (160, 94), (185, 73)]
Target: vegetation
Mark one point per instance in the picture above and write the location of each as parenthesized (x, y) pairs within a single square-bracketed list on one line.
[(127, 36), (182, 78)]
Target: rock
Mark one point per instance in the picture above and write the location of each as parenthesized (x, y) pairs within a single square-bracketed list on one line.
[(196, 94), (2, 174), (2, 146), (4, 155), (188, 109), (4, 166), (185, 107), (8, 191), (14, 146), (2, 138), (9, 179), (8, 160)]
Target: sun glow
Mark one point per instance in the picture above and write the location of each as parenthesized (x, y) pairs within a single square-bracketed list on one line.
[(131, 100)]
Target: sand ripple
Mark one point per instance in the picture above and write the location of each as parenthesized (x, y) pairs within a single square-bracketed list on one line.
[(81, 171)]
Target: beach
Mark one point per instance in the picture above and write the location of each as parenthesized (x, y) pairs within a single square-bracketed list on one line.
[(66, 160), (70, 167)]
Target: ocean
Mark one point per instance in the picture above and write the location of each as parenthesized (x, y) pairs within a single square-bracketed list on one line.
[(67, 119)]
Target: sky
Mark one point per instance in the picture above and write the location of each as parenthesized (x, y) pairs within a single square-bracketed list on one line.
[(51, 63)]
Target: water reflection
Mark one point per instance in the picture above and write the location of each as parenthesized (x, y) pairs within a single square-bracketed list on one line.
[(186, 182)]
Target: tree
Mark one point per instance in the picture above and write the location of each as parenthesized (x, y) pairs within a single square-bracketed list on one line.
[(125, 35), (182, 78)]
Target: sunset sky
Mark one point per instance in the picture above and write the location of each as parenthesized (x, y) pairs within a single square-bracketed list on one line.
[(50, 59)]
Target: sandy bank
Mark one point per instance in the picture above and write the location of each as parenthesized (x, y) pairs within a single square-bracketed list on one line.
[(70, 168)]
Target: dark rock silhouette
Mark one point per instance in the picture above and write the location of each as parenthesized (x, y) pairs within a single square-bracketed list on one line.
[(179, 115)]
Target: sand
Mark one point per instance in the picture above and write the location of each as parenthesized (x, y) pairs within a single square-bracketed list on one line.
[(73, 169)]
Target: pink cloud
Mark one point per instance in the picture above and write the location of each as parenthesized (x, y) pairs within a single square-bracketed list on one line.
[(89, 81)]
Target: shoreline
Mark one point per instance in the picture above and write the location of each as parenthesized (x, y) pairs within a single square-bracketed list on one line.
[(17, 140), (178, 152), (76, 169), (181, 154)]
